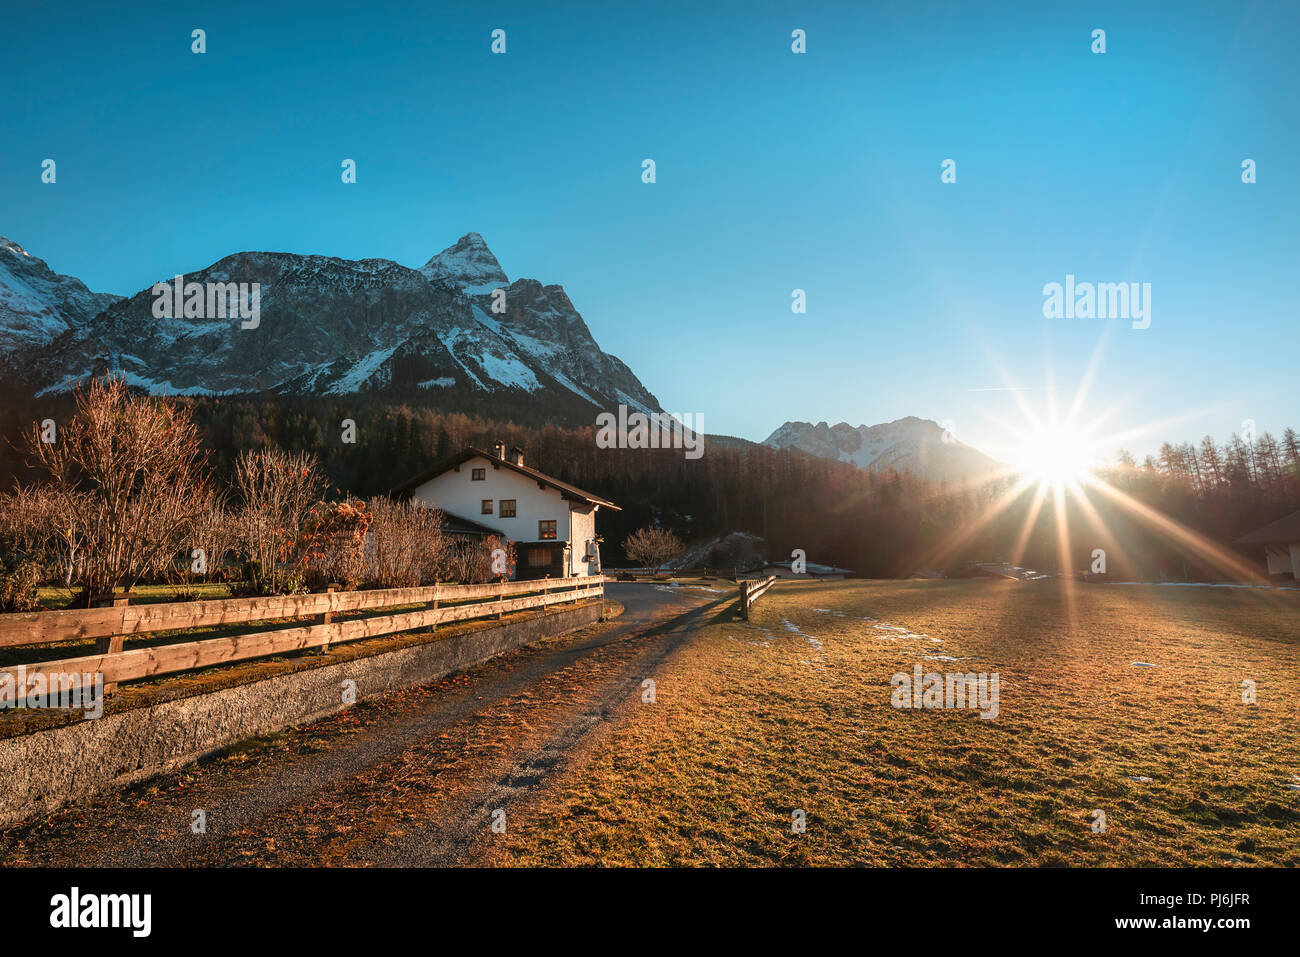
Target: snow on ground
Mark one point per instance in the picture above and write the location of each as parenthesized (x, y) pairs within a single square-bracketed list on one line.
[(509, 371), (675, 587), (1209, 585), (361, 370), (819, 663)]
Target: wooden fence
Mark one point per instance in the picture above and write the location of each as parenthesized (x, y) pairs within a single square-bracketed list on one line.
[(109, 626), (752, 591)]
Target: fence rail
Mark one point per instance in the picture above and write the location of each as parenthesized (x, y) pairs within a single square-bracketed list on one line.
[(116, 665), (752, 591)]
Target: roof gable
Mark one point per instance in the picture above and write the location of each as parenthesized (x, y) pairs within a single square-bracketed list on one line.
[(1285, 531), (567, 491)]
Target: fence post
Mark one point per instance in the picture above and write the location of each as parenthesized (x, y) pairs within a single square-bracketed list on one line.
[(327, 617), (501, 596), (744, 600), (434, 604), (110, 644)]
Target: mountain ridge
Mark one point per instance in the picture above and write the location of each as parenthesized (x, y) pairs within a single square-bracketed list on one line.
[(910, 444), (36, 303), (336, 326)]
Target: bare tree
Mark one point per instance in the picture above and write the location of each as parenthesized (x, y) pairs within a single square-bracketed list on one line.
[(127, 483), (652, 547), (215, 536), (407, 546), (475, 562), (331, 545), (35, 526), (275, 490)]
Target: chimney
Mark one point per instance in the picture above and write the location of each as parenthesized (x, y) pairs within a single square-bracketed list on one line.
[(517, 455), (500, 449)]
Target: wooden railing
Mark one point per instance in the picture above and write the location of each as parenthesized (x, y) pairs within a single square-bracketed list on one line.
[(752, 591), (110, 625)]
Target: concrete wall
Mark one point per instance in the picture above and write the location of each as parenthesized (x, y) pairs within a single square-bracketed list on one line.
[(44, 770), (582, 522)]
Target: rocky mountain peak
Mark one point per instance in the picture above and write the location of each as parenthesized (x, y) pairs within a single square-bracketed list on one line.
[(36, 303), (328, 326), (467, 263), (909, 444)]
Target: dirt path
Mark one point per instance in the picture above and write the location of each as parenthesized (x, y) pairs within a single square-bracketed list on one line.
[(416, 778)]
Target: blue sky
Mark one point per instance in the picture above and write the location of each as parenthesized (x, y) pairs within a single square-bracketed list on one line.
[(776, 171)]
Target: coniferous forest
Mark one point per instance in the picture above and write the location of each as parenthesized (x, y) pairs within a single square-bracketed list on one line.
[(878, 524)]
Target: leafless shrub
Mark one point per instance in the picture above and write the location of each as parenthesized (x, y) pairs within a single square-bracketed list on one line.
[(19, 578), (126, 484), (275, 490), (407, 546), (652, 547), (332, 542), (472, 560), (216, 535), (34, 529)]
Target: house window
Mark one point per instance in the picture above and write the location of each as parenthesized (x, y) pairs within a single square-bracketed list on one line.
[(507, 509), (487, 506), (477, 475), (539, 557), (546, 529)]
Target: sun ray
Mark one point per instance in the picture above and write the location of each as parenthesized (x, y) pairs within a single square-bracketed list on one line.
[(960, 537), (1222, 560), (1064, 563)]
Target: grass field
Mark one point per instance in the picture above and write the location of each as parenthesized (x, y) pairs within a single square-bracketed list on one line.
[(51, 597), (791, 711)]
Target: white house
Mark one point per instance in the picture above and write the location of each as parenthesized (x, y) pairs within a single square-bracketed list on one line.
[(1281, 541), (552, 523)]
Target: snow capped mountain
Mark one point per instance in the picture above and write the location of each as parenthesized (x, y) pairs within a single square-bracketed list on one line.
[(906, 445), (36, 303), (336, 326), (469, 264)]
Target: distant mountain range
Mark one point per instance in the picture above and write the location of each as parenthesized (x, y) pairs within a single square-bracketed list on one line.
[(429, 336), (906, 445), (327, 326), (37, 305)]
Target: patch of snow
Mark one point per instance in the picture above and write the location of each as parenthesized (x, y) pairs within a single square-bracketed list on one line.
[(361, 371)]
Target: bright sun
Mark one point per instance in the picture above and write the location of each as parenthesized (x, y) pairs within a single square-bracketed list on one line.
[(1056, 456)]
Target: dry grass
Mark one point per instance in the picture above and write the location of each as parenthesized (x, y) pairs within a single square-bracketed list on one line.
[(55, 597), (753, 721)]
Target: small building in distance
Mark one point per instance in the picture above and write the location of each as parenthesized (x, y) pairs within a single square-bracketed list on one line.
[(1281, 541), (552, 523), (811, 570)]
